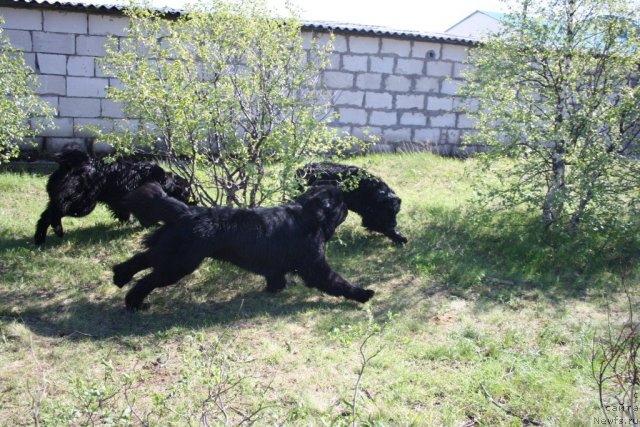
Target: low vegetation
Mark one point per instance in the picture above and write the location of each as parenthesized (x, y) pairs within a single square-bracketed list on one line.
[(479, 320)]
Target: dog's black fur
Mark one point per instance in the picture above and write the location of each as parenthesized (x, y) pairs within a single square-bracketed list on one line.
[(80, 182), (150, 204), (267, 241), (364, 194)]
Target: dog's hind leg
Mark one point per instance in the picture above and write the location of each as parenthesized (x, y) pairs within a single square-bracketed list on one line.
[(320, 275), (275, 283), (124, 272), (163, 274)]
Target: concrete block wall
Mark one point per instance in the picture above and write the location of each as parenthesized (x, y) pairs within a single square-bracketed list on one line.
[(401, 90)]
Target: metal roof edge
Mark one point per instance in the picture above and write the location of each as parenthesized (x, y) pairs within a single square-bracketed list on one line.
[(320, 26)]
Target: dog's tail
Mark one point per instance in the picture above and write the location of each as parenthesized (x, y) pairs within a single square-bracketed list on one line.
[(70, 157)]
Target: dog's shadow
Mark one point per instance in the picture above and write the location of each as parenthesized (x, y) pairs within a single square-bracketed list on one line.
[(108, 319), (82, 237)]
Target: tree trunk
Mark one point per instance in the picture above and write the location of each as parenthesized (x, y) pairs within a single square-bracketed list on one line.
[(553, 203)]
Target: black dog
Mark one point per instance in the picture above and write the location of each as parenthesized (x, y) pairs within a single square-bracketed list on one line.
[(267, 241), (80, 182), (150, 204), (364, 194)]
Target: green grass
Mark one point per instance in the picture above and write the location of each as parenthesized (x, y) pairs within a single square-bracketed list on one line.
[(469, 303)]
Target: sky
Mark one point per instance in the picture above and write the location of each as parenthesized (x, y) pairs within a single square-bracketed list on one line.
[(416, 15)]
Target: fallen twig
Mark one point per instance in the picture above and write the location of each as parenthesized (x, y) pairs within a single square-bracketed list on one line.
[(525, 419)]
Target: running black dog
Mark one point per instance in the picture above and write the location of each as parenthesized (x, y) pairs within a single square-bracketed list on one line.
[(150, 204), (80, 182), (267, 241), (364, 194)]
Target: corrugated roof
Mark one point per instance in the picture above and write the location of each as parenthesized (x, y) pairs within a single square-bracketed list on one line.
[(385, 31), (329, 26)]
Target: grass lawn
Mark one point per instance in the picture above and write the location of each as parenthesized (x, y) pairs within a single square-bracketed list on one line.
[(468, 311)]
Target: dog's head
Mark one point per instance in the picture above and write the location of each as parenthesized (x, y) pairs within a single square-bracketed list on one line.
[(382, 214), (176, 187), (323, 207)]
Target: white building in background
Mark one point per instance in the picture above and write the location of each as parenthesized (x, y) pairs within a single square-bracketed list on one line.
[(478, 24)]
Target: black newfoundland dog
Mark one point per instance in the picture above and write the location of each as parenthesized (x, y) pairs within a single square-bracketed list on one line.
[(267, 241), (80, 182), (150, 204), (364, 194)]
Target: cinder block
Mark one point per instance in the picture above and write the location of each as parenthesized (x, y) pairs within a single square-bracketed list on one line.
[(382, 64), (116, 83), (395, 46), (367, 133), (54, 42), (354, 116), (20, 39), (125, 125), (335, 61), (435, 103), (451, 87), (450, 136), (52, 64), (108, 25), (55, 145), (383, 118), (447, 120), (427, 136), (65, 22), (81, 66), (459, 69), (102, 148), (360, 44), (21, 18), (397, 83), (111, 109), (338, 80), (369, 81), (87, 87), (413, 119), (91, 45), (465, 122), (410, 102), (79, 107), (439, 69), (61, 127), (340, 43), (378, 100), (410, 66), (52, 101), (427, 84), (80, 126), (354, 62), (51, 85), (30, 60), (396, 135), (426, 50), (452, 52), (350, 98)]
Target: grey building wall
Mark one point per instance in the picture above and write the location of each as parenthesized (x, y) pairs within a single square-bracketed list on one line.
[(399, 88)]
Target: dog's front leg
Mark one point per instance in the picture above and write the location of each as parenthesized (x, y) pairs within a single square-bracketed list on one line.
[(49, 217), (124, 272), (319, 274), (276, 283)]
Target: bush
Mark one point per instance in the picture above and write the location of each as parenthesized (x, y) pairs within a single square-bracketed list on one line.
[(227, 94), (19, 105)]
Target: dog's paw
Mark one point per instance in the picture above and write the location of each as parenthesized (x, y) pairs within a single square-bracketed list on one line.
[(59, 231), (120, 277), (363, 295), (39, 238)]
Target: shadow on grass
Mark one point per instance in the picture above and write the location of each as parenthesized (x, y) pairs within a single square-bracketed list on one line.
[(491, 259), (79, 237), (487, 261), (84, 319)]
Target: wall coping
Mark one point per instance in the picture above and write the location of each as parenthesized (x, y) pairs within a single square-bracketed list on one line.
[(319, 26)]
